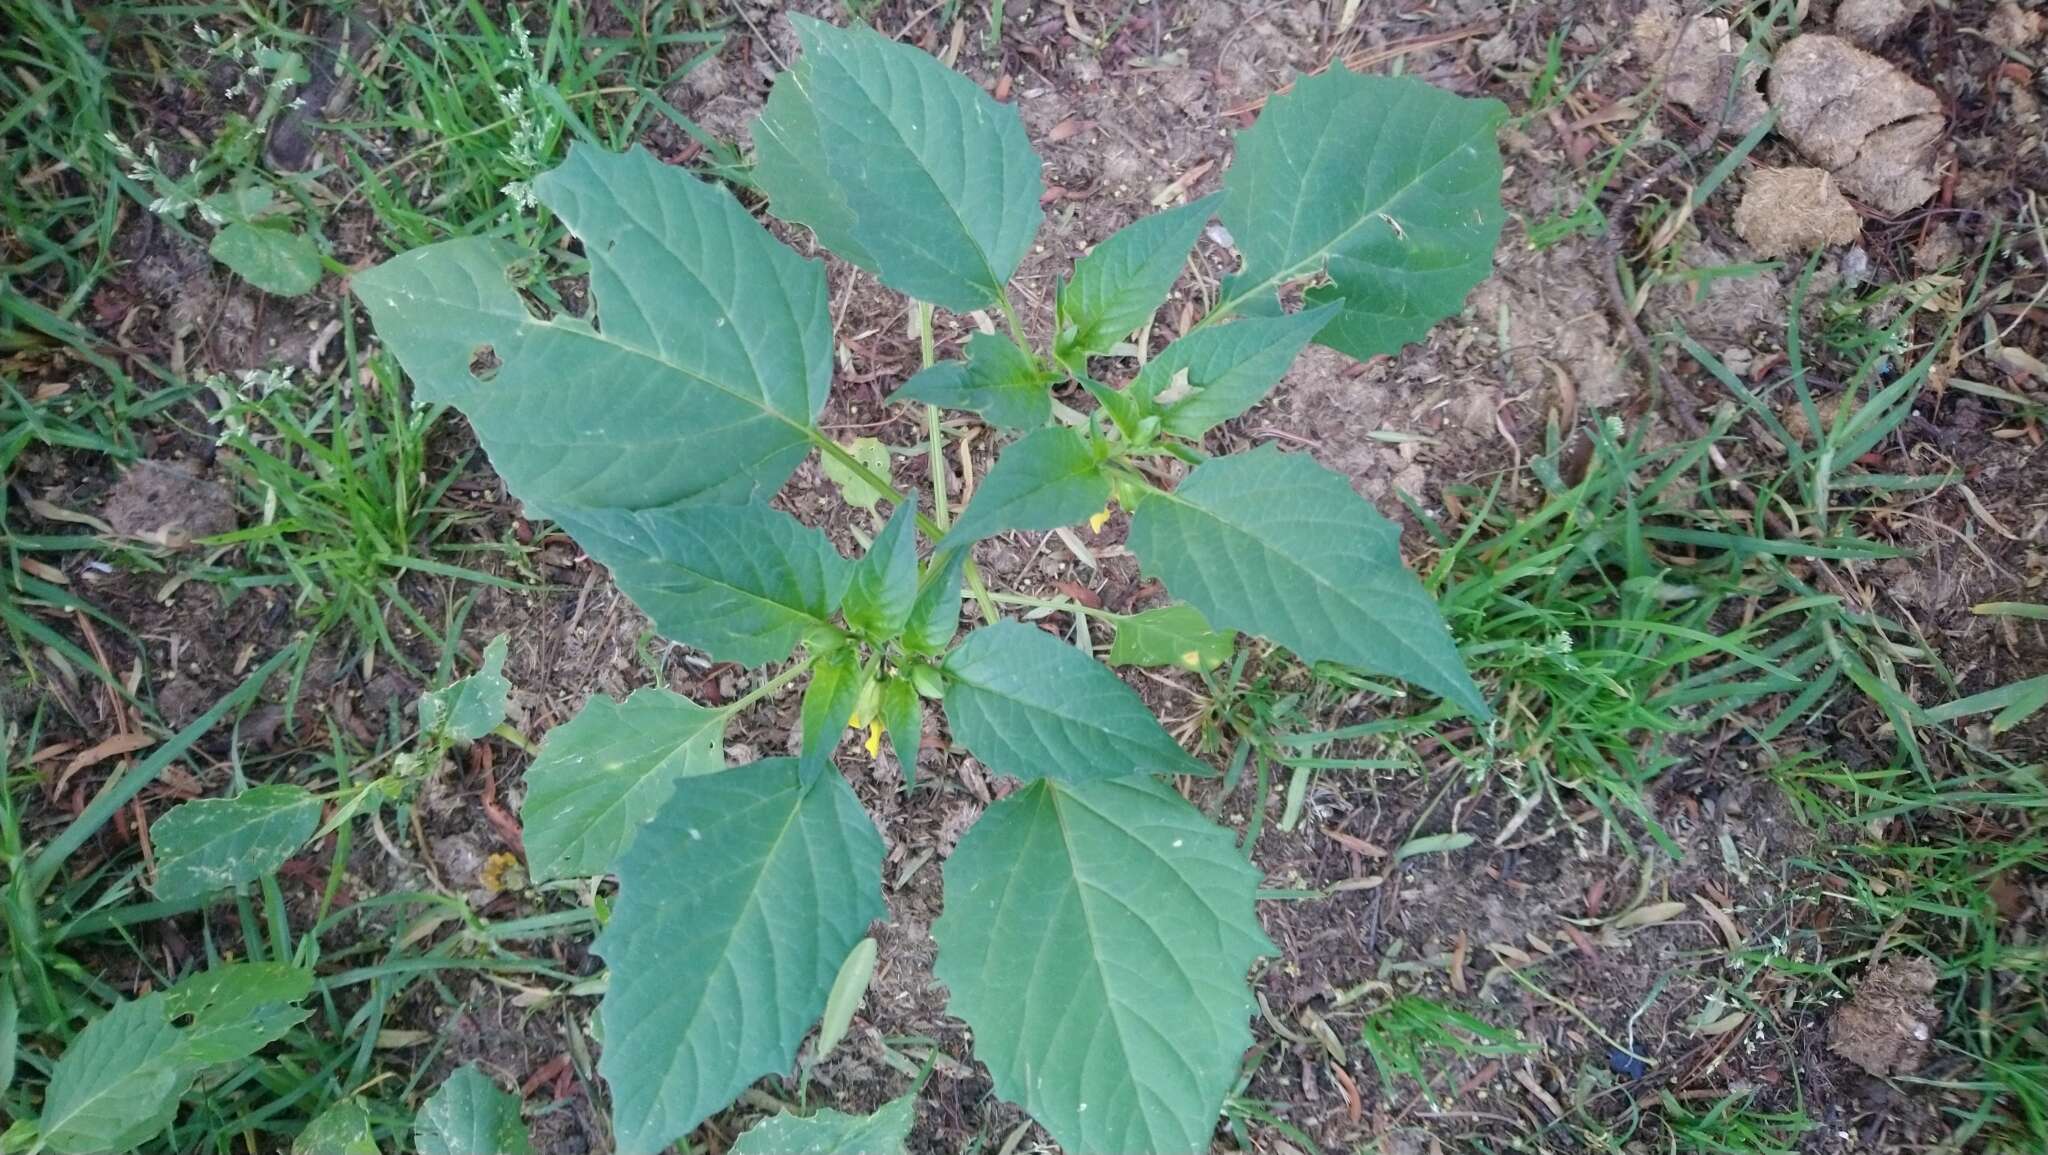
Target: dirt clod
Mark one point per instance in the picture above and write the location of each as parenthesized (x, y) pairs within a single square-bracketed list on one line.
[(2011, 26), (168, 504), (1794, 210), (1703, 67), (1872, 22), (1885, 1026), (1860, 118)]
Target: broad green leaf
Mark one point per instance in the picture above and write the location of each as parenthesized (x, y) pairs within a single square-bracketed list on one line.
[(1122, 282), (1169, 636), (900, 165), (998, 380), (857, 491), (1219, 371), (1043, 480), (737, 903), (241, 204), (884, 585), (831, 1132), (470, 1115), (1389, 185), (1096, 937), (1031, 706), (234, 1010), (935, 618), (115, 1085), (1276, 545), (469, 708), (214, 844), (275, 260), (709, 369), (903, 717), (849, 987), (118, 1082), (837, 681), (343, 1129), (600, 774), (744, 583)]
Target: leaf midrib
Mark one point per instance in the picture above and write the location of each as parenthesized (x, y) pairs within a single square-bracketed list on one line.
[(676, 749), (1315, 261), (1081, 888), (1283, 555), (993, 283), (752, 905)]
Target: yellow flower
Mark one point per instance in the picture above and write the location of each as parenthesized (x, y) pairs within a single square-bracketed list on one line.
[(1097, 521), (874, 742)]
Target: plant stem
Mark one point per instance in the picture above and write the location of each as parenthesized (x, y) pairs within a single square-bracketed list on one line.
[(768, 687), (1016, 329), (876, 481), (936, 442)]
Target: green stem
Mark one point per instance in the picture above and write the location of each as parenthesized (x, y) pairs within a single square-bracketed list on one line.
[(875, 481), (935, 439), (504, 730), (768, 687), (1016, 329)]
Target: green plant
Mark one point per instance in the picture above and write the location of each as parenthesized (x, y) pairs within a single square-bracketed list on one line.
[(1098, 927), (337, 472), (250, 209), (114, 1073), (1405, 1034)]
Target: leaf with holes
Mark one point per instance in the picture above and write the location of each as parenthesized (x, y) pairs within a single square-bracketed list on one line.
[(468, 1114), (469, 708), (601, 773), (211, 845), (1274, 544), (1388, 185), (900, 165), (1177, 636), (737, 903), (703, 377), (832, 1132), (343, 1129), (273, 258), (1096, 937), (117, 1084), (1032, 706)]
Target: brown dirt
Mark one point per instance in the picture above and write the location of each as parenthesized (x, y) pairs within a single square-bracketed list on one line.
[(1511, 932), (1888, 1025)]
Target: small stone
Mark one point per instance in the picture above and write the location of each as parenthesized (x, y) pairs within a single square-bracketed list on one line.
[(1861, 118), (1872, 22), (1794, 210), (2013, 27)]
